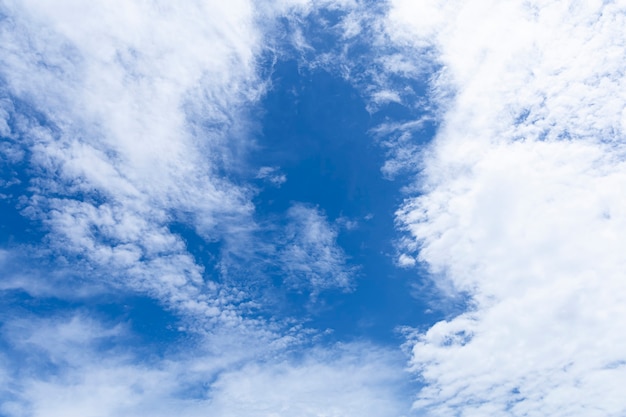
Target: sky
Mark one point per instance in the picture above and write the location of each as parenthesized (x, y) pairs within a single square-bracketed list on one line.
[(312, 208)]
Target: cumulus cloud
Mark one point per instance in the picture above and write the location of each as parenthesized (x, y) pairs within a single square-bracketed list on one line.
[(520, 207), (406, 261)]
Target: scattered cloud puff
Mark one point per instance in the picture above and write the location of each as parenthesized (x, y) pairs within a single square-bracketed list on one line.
[(404, 153), (406, 261), (520, 206), (386, 96), (272, 175), (310, 254), (347, 223)]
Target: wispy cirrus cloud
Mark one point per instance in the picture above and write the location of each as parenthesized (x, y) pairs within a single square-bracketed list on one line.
[(519, 206), (272, 175), (310, 255)]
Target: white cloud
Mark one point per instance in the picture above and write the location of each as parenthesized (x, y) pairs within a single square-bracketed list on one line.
[(273, 175), (347, 223), (346, 380), (386, 96), (406, 261), (520, 206), (404, 154), (135, 106), (535, 243), (310, 254), (351, 379)]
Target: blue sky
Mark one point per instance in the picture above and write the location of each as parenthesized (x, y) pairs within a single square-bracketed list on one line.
[(335, 208)]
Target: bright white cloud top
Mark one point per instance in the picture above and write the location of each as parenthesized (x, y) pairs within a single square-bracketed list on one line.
[(523, 207), (192, 226)]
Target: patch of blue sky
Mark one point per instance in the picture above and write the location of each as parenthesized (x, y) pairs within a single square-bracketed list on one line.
[(15, 228), (315, 147), (316, 129)]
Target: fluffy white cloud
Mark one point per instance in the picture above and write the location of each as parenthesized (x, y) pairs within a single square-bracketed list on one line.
[(520, 206)]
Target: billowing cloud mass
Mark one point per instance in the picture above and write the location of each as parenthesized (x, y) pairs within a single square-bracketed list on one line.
[(181, 182), (522, 207)]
